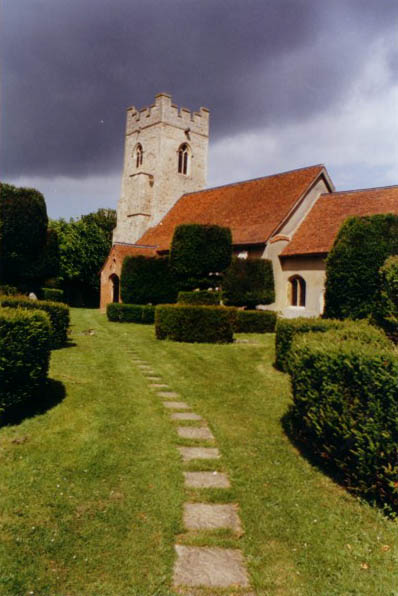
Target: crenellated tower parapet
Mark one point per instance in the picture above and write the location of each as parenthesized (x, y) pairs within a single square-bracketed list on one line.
[(165, 157)]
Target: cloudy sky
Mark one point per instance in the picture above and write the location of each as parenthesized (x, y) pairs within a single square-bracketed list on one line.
[(289, 83)]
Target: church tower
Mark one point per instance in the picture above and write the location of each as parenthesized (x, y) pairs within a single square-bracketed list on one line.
[(165, 157)]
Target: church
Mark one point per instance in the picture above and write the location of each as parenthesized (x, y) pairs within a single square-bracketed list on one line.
[(291, 218)]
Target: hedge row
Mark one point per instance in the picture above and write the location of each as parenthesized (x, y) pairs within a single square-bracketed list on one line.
[(58, 313), (202, 324), (255, 321), (345, 395), (24, 354), (147, 279), (287, 329), (248, 283), (201, 297), (131, 313), (52, 294), (7, 290)]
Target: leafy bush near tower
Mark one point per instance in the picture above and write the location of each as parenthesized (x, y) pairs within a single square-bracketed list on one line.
[(345, 406), (202, 324), (199, 254), (52, 294), (352, 267), (200, 297), (255, 321), (248, 283), (131, 313), (57, 312), (147, 280), (84, 245), (26, 246), (24, 354), (385, 313), (287, 329)]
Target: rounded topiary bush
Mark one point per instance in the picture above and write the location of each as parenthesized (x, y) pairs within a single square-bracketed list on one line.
[(147, 280), (248, 283), (202, 324), (24, 354)]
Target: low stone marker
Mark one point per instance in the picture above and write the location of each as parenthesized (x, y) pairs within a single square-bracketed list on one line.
[(189, 453), (210, 516), (209, 567), (206, 480), (195, 432)]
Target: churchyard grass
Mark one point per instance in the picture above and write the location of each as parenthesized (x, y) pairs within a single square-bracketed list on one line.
[(92, 490)]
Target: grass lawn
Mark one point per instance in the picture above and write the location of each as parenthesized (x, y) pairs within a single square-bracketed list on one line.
[(91, 490)]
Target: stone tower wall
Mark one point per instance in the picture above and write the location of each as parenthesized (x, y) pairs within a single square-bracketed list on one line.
[(150, 190)]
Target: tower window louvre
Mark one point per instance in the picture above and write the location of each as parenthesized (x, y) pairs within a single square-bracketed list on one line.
[(183, 159)]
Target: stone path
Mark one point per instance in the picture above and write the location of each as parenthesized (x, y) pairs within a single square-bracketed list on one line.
[(200, 568)]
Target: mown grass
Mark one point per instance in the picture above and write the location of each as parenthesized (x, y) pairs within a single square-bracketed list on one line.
[(92, 490)]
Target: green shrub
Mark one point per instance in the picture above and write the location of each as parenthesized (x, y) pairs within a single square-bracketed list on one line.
[(385, 313), (131, 313), (255, 321), (286, 330), (24, 354), (352, 267), (58, 313), (52, 294), (345, 409), (147, 280), (198, 251), (248, 283), (8, 290), (199, 297), (202, 324)]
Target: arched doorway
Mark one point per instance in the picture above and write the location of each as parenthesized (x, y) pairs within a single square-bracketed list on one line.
[(115, 288)]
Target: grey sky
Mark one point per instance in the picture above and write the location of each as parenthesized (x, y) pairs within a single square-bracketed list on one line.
[(288, 83)]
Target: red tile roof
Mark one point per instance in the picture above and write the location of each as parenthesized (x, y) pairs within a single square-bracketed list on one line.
[(251, 209), (119, 251), (317, 232)]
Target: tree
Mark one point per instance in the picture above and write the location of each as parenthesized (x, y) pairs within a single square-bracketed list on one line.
[(352, 267), (25, 243), (198, 252), (248, 283), (84, 245)]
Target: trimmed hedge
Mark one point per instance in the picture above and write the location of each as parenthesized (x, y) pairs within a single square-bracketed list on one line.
[(24, 354), (201, 297), (287, 329), (202, 324), (147, 280), (385, 313), (345, 395), (58, 313), (198, 251), (255, 321), (7, 290), (131, 313), (352, 266), (52, 294), (248, 283)]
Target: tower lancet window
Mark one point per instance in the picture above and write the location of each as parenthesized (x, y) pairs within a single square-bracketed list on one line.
[(139, 154), (183, 159)]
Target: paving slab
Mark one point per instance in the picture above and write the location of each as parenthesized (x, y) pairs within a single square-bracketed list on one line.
[(158, 386), (168, 394), (206, 480), (195, 432), (176, 405), (186, 416), (154, 379), (210, 516), (189, 453), (209, 567)]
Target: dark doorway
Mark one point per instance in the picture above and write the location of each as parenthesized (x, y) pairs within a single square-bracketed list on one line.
[(115, 287)]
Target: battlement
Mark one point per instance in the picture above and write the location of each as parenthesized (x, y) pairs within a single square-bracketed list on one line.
[(163, 110)]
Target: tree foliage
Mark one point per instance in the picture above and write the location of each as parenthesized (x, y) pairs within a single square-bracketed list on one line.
[(147, 280), (198, 251), (248, 283), (352, 267)]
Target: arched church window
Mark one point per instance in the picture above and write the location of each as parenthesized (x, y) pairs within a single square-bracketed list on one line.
[(297, 287), (183, 159), (139, 154)]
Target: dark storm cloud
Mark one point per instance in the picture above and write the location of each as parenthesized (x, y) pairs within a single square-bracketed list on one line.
[(70, 68)]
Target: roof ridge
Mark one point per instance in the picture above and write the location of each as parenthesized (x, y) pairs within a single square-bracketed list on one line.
[(342, 192), (319, 165), (133, 244)]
